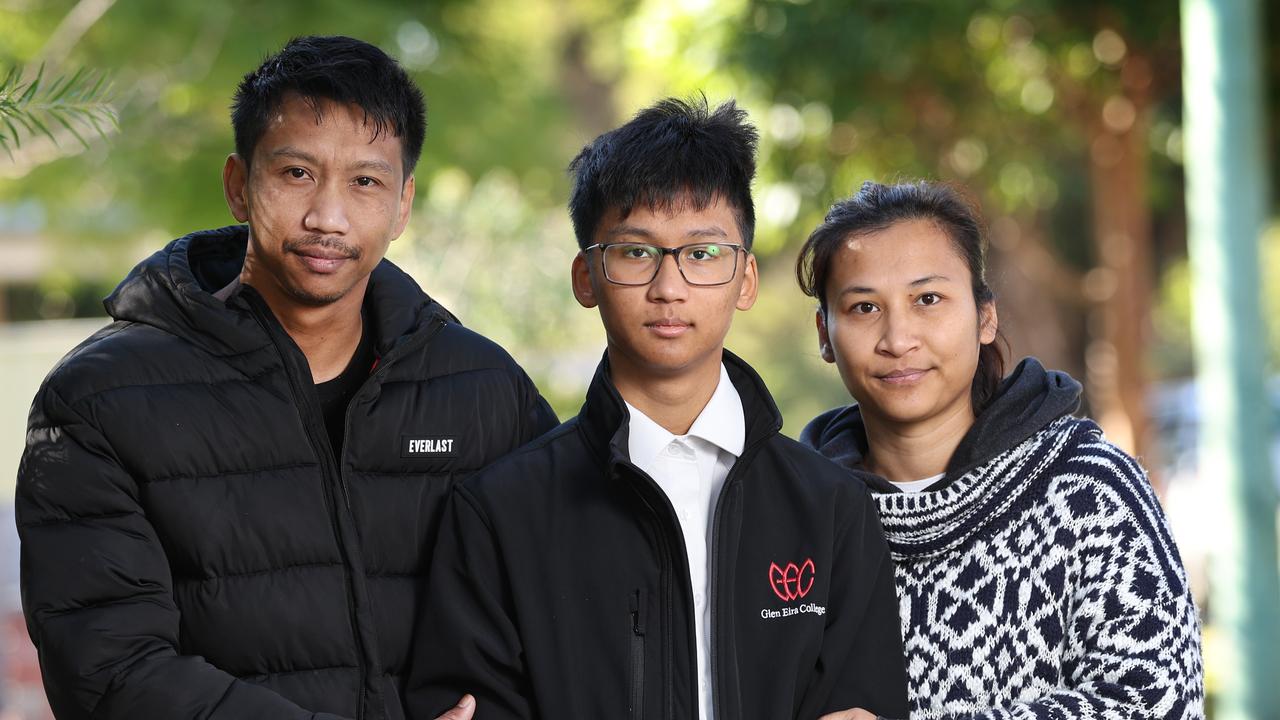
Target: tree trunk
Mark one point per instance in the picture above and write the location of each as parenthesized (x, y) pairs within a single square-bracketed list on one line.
[(1121, 283)]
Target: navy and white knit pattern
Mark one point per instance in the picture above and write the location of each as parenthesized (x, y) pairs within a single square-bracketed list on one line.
[(1045, 584)]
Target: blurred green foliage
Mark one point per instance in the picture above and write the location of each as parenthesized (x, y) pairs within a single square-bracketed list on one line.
[(999, 95)]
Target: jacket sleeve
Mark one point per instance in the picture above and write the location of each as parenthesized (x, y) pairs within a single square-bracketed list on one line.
[(466, 640), (97, 592), (861, 662)]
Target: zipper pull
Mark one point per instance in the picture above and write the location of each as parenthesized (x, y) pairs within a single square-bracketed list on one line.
[(637, 612)]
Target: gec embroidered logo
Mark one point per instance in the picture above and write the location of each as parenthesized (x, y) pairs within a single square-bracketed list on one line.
[(792, 581), (413, 447)]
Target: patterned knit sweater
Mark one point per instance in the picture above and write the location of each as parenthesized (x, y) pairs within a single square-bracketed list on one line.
[(1044, 583)]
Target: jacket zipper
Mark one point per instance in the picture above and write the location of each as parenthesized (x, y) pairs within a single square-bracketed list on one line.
[(320, 446), (403, 349), (666, 582), (713, 561), (637, 654)]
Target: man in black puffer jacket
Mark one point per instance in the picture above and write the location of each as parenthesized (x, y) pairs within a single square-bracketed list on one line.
[(229, 495)]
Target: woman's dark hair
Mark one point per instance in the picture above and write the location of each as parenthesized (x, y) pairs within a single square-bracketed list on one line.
[(876, 207), (337, 68), (673, 151)]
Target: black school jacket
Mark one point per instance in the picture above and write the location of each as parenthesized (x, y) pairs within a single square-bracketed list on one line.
[(560, 584), (190, 547)]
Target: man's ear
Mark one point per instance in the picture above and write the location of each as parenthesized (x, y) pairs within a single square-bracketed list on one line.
[(583, 289), (235, 182), (988, 323), (406, 205), (824, 338), (750, 284)]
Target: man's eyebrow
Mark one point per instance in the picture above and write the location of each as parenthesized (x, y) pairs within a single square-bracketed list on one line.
[(381, 166), (290, 151)]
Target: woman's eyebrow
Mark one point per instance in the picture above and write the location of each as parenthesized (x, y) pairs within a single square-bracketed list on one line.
[(928, 279)]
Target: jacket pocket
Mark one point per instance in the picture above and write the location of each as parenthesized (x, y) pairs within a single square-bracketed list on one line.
[(637, 630)]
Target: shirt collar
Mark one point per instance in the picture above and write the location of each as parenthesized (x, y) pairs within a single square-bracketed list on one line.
[(722, 423)]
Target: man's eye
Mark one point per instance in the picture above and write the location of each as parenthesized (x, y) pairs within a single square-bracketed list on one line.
[(366, 181), (297, 173)]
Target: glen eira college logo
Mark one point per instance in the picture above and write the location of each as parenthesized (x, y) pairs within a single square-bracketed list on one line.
[(793, 581)]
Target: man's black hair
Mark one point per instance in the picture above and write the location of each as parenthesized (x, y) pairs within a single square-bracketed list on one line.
[(336, 68), (676, 151)]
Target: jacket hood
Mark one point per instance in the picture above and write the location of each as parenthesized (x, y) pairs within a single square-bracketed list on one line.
[(605, 421), (1028, 400), (173, 291)]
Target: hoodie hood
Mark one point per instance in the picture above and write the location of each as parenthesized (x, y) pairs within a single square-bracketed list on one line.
[(1028, 400), (173, 290)]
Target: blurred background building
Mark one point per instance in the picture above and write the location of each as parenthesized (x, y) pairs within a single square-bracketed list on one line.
[(1064, 119)]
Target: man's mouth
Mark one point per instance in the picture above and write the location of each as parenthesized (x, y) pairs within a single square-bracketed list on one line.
[(323, 259)]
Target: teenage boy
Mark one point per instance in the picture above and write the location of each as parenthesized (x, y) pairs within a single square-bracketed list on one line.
[(229, 495), (667, 553)]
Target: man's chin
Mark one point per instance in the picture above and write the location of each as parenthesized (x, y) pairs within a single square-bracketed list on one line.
[(315, 297)]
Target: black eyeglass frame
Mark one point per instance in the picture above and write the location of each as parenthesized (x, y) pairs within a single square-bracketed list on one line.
[(662, 255)]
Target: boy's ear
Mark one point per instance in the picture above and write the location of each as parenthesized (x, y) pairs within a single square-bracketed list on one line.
[(583, 289), (750, 284), (824, 339)]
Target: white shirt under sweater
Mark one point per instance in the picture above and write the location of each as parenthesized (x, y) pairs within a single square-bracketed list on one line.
[(915, 486), (691, 469)]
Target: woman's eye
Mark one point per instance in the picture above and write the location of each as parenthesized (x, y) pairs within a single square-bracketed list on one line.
[(864, 308), (929, 299)]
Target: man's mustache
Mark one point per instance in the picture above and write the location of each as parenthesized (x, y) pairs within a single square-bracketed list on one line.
[(319, 241)]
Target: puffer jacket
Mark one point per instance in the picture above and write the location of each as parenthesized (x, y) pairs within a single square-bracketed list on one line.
[(190, 547)]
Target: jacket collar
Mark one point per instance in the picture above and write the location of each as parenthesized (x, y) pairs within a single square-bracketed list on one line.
[(605, 422), (174, 290)]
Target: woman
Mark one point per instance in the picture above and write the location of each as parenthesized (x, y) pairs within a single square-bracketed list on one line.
[(1035, 570)]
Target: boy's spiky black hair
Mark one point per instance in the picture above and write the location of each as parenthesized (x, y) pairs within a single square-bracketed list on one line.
[(675, 151), (336, 68)]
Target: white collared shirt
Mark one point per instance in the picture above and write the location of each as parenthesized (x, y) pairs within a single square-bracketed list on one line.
[(691, 469)]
